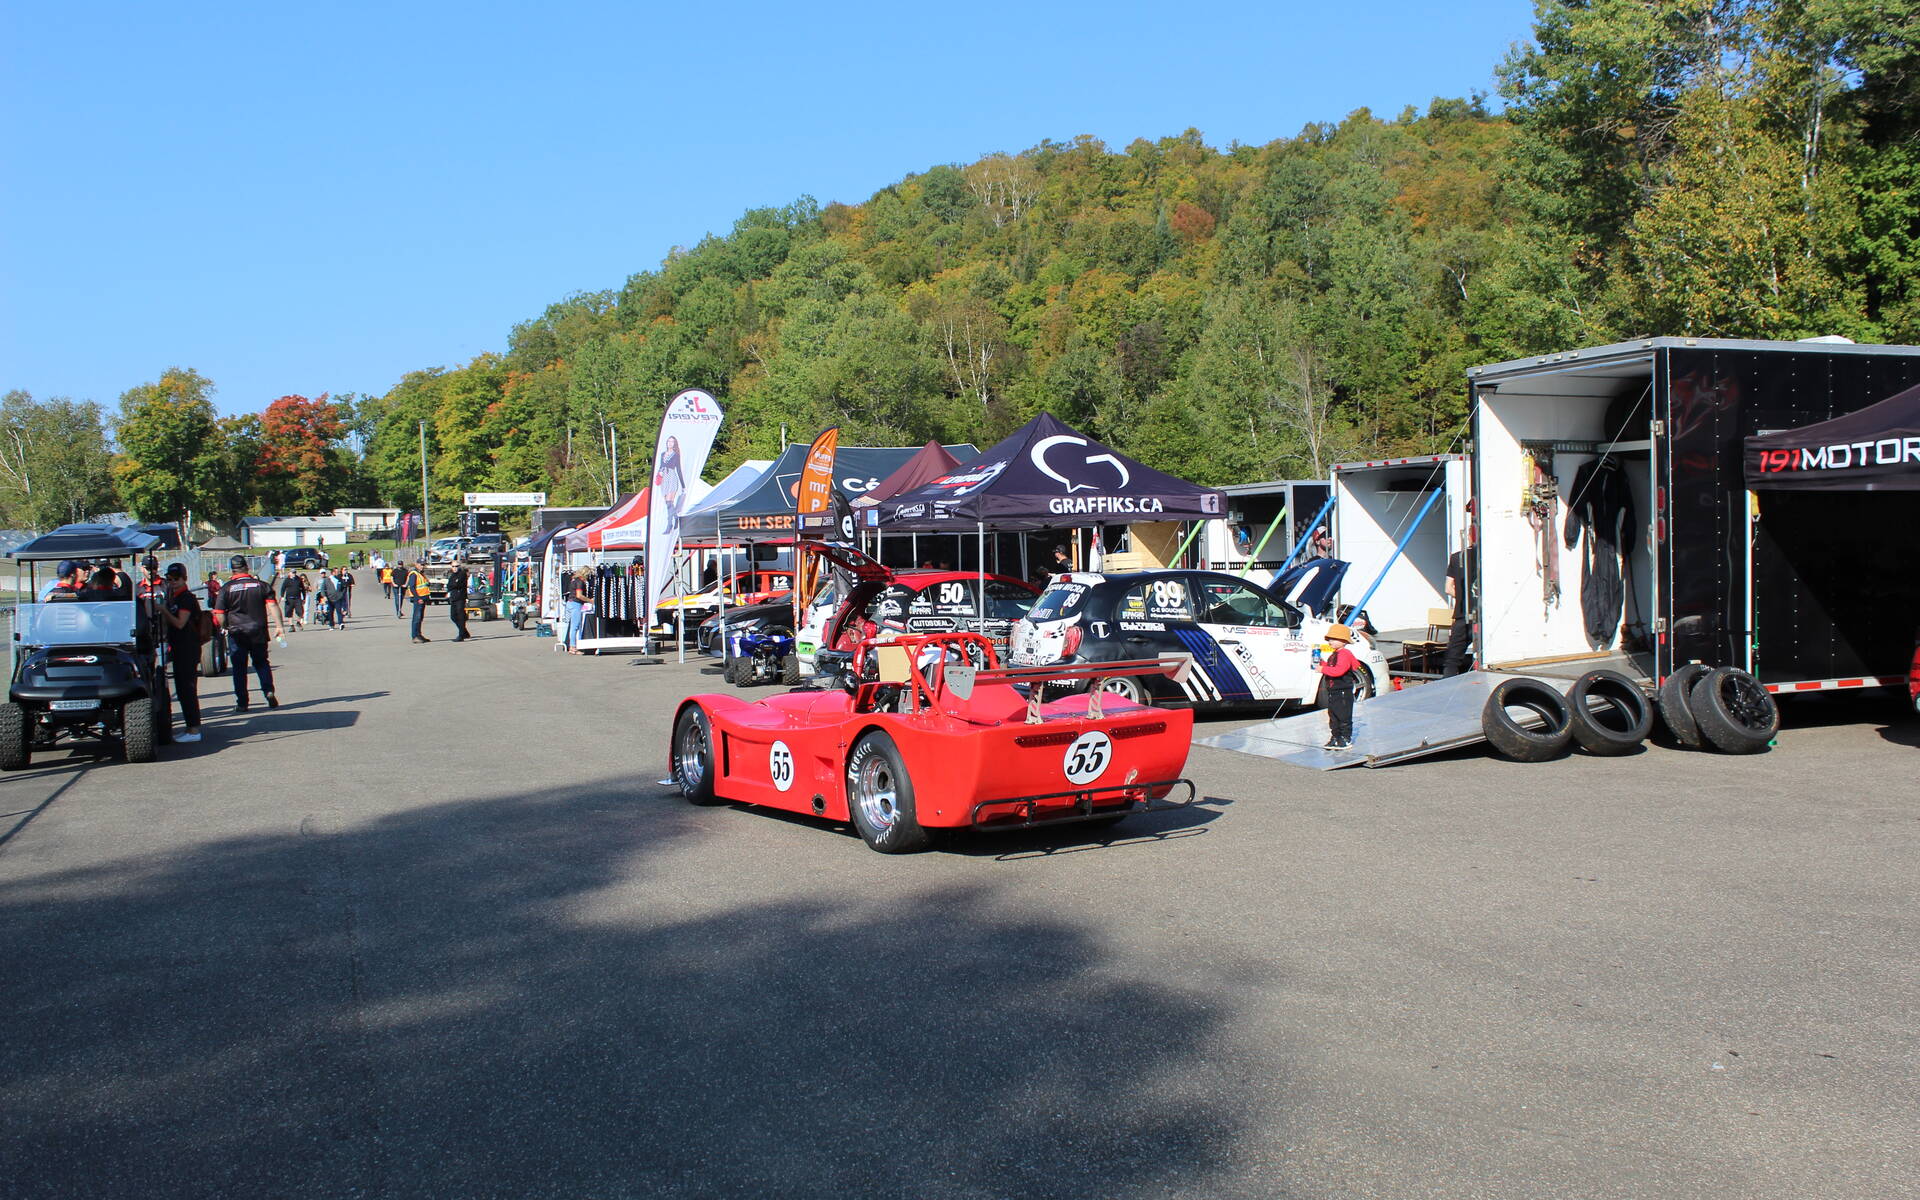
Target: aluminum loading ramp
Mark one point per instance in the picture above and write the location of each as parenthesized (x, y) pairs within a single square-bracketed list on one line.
[(1390, 728)]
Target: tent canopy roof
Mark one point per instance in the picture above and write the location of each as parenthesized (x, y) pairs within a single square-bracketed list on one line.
[(1874, 449), (768, 506), (1047, 476), (929, 463)]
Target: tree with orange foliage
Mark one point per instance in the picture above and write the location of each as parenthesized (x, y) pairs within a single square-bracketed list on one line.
[(302, 468)]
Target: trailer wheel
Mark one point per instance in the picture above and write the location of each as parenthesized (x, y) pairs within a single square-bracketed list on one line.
[(1734, 712), (15, 753), (136, 731), (880, 797), (693, 754), (1515, 741), (1611, 714), (1676, 709)]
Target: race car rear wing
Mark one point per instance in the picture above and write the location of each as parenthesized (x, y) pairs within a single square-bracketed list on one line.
[(961, 680)]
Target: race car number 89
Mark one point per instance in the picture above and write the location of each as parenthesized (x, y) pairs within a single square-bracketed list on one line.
[(1088, 756), (780, 766)]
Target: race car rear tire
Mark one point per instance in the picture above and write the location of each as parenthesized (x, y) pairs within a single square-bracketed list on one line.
[(1127, 687), (1611, 715), (790, 669), (136, 731), (1734, 712), (880, 797), (15, 753), (1514, 741), (1674, 700), (692, 757)]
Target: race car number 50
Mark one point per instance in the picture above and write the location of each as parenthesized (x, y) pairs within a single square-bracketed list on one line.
[(1088, 756), (780, 766)]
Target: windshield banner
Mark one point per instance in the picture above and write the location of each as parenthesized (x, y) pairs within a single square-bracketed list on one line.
[(679, 455)]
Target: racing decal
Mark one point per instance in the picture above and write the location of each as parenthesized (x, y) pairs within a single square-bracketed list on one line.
[(1250, 667), (1207, 652), (1088, 757), (780, 766), (1145, 626), (1039, 456)]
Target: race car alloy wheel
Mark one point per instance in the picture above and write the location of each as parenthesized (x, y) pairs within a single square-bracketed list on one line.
[(14, 751), (136, 731), (1515, 741), (880, 797), (1611, 714), (1127, 687), (693, 754), (1735, 714), (1676, 709)]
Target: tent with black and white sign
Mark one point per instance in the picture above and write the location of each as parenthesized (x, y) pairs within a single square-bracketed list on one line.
[(767, 510), (928, 464), (1047, 476), (1876, 449)]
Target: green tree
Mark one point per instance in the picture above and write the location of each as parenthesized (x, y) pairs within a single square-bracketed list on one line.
[(55, 466), (170, 453)]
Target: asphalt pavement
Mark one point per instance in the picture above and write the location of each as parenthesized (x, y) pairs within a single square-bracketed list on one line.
[(434, 928)]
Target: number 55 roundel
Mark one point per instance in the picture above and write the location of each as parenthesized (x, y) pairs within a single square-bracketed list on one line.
[(1088, 757)]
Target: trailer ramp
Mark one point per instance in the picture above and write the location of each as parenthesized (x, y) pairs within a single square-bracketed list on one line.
[(1389, 728)]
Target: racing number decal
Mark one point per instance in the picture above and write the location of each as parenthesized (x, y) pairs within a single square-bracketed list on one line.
[(1168, 593), (953, 593), (780, 766), (1088, 756)]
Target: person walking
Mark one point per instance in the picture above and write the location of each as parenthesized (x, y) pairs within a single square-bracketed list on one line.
[(1338, 667), (293, 598), (416, 588), (182, 614), (246, 603), (457, 600), (326, 600), (398, 573), (345, 580)]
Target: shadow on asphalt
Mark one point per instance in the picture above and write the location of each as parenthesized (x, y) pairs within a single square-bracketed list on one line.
[(479, 998)]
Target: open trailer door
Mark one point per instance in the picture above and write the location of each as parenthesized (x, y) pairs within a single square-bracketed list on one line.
[(1834, 534)]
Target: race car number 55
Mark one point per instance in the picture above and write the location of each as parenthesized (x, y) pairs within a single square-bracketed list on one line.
[(780, 766), (1088, 756)]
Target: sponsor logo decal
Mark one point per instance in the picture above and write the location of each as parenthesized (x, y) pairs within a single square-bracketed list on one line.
[(1114, 467), (960, 483), (1842, 456)]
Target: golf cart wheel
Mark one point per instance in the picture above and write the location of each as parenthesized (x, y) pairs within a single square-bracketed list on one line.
[(693, 754), (1734, 711), (14, 751), (880, 797), (790, 669), (136, 731), (1516, 741)]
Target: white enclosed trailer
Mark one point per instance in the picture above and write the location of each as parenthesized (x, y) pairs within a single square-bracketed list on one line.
[(1376, 506), (1235, 542)]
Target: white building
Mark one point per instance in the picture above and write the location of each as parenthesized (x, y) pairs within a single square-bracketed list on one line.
[(276, 532), (368, 520)]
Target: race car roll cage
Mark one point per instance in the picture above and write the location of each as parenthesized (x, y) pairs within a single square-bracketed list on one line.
[(909, 683)]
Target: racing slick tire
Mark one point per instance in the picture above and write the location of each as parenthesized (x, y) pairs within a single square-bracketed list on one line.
[(790, 670), (692, 755), (1611, 715), (880, 797), (15, 753), (1674, 700), (136, 731), (1734, 712), (1514, 741)]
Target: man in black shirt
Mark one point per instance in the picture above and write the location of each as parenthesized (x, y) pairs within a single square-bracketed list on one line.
[(1460, 572), (245, 602), (457, 600), (181, 611)]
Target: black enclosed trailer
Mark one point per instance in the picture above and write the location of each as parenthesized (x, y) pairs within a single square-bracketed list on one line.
[(1675, 558)]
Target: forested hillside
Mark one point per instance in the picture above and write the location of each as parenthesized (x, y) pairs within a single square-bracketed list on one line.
[(1730, 168)]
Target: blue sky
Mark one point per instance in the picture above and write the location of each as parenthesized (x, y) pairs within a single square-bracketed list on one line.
[(319, 198)]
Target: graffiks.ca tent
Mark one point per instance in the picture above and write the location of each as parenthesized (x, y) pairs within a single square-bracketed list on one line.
[(1876, 449), (1047, 476)]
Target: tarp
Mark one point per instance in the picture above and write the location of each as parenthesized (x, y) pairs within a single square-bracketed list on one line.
[(631, 510), (85, 541), (768, 507), (1046, 476), (928, 464), (1876, 449)]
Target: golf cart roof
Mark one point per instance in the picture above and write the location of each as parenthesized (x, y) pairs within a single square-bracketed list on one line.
[(85, 541)]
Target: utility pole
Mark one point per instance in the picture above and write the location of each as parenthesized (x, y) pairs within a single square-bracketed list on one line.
[(426, 521), (613, 434)]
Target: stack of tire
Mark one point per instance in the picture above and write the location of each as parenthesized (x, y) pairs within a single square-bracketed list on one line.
[(1607, 714)]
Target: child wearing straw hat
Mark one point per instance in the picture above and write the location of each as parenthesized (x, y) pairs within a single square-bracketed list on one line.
[(1338, 666)]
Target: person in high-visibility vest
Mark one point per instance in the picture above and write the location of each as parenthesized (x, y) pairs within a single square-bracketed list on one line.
[(416, 590)]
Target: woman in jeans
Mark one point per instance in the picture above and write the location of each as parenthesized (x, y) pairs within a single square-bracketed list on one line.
[(575, 611)]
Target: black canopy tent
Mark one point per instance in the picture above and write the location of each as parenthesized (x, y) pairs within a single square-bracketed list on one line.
[(767, 509), (1876, 449)]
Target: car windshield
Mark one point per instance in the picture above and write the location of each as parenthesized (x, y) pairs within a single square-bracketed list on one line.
[(1059, 601), (75, 623)]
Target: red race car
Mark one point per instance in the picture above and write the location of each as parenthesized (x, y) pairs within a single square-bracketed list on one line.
[(933, 744)]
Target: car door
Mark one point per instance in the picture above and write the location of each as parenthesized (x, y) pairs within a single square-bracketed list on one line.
[(1155, 616), (1259, 639)]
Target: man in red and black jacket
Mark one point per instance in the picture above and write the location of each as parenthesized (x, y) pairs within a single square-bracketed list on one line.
[(245, 603)]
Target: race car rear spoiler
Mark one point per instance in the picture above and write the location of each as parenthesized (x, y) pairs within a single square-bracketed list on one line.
[(961, 680)]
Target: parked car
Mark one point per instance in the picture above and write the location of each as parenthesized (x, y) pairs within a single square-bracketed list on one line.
[(483, 546), (744, 589), (914, 602), (444, 549), (1249, 645), (305, 558)]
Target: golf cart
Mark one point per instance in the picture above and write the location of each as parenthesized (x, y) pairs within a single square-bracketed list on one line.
[(83, 667)]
